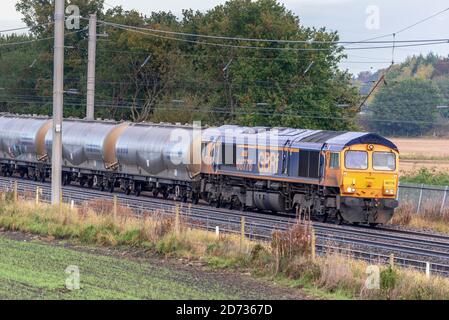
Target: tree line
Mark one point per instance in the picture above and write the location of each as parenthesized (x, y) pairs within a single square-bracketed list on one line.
[(406, 103), (149, 76)]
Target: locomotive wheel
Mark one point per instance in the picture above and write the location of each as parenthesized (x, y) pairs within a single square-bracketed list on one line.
[(42, 177), (82, 182), (90, 183), (128, 191), (218, 203), (111, 187), (22, 174), (339, 219), (325, 216)]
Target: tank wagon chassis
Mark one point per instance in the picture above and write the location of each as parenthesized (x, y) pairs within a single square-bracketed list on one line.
[(316, 202)]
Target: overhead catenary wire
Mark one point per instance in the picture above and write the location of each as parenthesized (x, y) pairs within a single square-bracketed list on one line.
[(9, 44), (236, 46), (216, 37)]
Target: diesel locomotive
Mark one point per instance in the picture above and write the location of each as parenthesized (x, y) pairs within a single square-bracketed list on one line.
[(352, 176)]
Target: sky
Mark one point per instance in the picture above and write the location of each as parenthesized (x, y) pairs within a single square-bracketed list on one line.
[(354, 20)]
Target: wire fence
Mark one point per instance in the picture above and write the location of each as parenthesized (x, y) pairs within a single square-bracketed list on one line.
[(421, 196)]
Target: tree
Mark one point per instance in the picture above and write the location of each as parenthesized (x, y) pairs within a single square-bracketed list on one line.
[(145, 75), (406, 107)]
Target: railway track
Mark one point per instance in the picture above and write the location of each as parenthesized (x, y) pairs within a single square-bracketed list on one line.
[(410, 249)]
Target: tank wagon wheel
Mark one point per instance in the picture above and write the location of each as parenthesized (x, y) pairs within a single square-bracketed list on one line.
[(82, 182), (22, 174), (373, 225), (155, 193), (65, 180), (165, 195), (128, 191), (111, 187), (90, 183)]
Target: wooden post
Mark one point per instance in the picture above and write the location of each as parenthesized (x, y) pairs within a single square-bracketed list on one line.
[(15, 192), (114, 211), (217, 232), (392, 261), (428, 270), (444, 200), (60, 202), (177, 220), (313, 244), (420, 199), (38, 191), (242, 232)]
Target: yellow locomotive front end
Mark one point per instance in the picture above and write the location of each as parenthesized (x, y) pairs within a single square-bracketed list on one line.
[(368, 183)]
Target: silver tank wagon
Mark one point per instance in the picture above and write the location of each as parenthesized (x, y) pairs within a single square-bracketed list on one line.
[(88, 144), (23, 138), (158, 150)]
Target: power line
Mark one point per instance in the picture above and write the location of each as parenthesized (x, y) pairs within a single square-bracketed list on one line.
[(213, 110), (311, 41), (8, 44), (27, 27), (130, 28)]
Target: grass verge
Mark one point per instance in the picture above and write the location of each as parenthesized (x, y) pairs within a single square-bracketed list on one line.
[(427, 176), (288, 259), (431, 217)]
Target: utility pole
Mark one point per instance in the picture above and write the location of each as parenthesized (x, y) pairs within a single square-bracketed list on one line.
[(91, 67), (58, 102)]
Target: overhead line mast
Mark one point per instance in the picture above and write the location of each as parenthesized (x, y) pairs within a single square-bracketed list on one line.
[(90, 111), (58, 102)]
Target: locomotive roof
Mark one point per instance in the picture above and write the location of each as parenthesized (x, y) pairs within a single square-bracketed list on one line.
[(299, 138)]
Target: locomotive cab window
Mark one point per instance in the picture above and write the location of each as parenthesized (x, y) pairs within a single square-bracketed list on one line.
[(384, 161), (334, 161), (357, 160)]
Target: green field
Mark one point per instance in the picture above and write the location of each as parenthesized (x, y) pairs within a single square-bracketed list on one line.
[(34, 270)]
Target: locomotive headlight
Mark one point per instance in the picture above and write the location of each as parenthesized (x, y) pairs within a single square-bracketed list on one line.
[(350, 190)]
